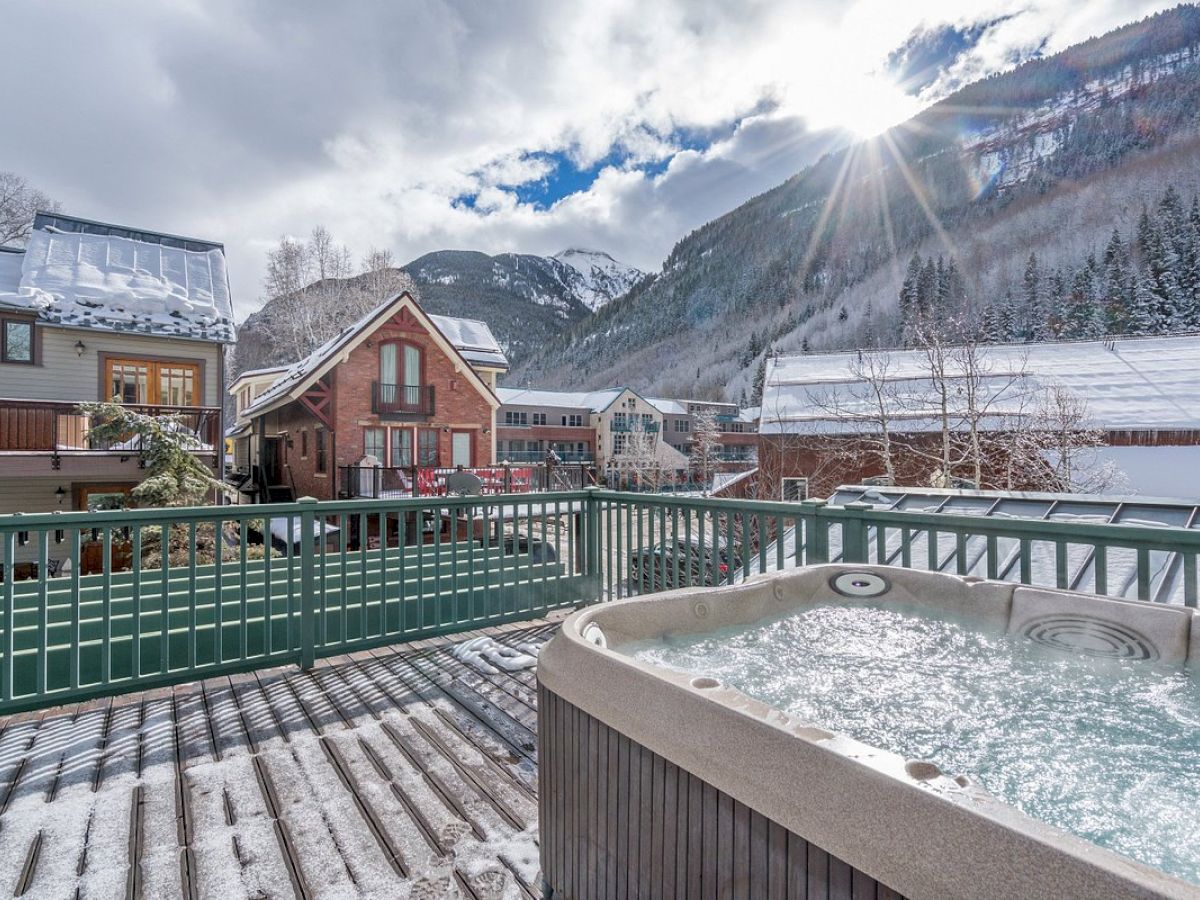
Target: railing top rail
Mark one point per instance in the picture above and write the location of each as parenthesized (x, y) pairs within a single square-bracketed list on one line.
[(137, 517), (74, 404), (1159, 536)]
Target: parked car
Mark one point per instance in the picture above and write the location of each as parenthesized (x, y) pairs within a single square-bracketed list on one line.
[(522, 545), (654, 568)]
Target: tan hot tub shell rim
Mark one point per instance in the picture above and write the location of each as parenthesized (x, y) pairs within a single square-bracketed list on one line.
[(922, 834)]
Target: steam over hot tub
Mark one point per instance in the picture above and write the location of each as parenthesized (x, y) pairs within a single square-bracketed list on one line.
[(660, 779)]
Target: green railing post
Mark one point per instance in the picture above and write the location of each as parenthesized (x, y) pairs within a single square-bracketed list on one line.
[(816, 533), (592, 539), (308, 593), (854, 532)]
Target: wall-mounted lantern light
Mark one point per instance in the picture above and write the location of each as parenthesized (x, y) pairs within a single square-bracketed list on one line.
[(60, 494), (79, 348)]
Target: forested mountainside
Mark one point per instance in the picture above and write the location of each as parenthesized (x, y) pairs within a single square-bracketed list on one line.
[(526, 300), (1053, 199)]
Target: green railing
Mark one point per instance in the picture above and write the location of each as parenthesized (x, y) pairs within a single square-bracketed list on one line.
[(654, 542), (373, 572), (369, 573)]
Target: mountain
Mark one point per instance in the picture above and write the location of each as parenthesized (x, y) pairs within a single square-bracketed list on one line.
[(601, 278), (526, 300), (996, 205)]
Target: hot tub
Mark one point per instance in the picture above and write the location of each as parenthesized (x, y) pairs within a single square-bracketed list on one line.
[(662, 783)]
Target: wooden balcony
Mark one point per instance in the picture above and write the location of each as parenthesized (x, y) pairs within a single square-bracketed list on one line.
[(402, 400), (47, 426)]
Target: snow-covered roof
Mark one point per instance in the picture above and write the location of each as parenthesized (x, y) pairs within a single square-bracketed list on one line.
[(749, 414), (596, 401), (88, 274), (10, 269), (668, 407), (473, 339), (1127, 384), (301, 372)]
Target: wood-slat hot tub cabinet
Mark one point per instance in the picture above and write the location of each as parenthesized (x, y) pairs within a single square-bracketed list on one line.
[(618, 820)]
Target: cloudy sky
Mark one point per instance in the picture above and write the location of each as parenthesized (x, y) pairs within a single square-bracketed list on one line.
[(417, 125)]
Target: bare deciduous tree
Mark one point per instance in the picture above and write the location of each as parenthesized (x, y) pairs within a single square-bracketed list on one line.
[(315, 292), (18, 202), (706, 445)]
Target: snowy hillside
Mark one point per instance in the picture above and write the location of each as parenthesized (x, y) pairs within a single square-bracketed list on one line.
[(602, 278)]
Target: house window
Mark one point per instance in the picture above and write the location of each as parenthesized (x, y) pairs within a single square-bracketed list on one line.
[(795, 489), (427, 447), (401, 371), (375, 444), (683, 425), (515, 418), (539, 418), (304, 444), (319, 441), (148, 382), (402, 455), (16, 341), (575, 420)]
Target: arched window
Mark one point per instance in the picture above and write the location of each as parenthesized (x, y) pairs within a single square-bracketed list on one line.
[(401, 374)]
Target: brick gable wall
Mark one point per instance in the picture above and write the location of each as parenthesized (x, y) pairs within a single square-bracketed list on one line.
[(458, 406)]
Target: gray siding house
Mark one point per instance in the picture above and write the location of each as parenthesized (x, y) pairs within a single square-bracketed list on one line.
[(90, 311)]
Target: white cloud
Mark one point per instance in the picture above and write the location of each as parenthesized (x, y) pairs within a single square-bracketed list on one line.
[(242, 122)]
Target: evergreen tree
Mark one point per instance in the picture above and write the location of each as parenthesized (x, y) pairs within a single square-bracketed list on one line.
[(1035, 325)]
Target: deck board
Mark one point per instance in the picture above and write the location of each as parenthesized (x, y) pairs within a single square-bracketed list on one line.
[(397, 772)]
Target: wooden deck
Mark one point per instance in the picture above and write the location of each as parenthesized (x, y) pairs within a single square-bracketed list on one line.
[(399, 772)]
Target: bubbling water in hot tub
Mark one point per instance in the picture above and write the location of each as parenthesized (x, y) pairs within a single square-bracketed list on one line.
[(1106, 749)]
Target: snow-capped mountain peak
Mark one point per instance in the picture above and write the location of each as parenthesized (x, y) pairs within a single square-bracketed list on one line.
[(600, 277)]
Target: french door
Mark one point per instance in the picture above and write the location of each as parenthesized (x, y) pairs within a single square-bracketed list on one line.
[(400, 373), (139, 381)]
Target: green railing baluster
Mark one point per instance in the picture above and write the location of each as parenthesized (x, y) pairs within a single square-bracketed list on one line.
[(780, 532), (960, 552), (364, 630), (701, 551), (933, 553), (1061, 575), (993, 557), (1143, 573), (762, 542), (76, 627), (906, 547), (1189, 578), (192, 605), (43, 606), (1100, 565), (1026, 555), (218, 606), (308, 586), (243, 612), (7, 689), (164, 605), (402, 570)]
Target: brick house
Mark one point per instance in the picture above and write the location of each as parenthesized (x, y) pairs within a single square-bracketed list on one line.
[(401, 386), (1139, 393)]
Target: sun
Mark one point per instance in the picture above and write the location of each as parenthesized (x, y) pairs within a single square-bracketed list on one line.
[(871, 105)]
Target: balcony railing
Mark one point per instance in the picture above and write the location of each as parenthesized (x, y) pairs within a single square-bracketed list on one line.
[(48, 426), (381, 482), (539, 456), (401, 399), (648, 427)]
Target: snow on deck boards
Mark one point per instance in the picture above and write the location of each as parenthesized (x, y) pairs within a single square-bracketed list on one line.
[(397, 772)]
